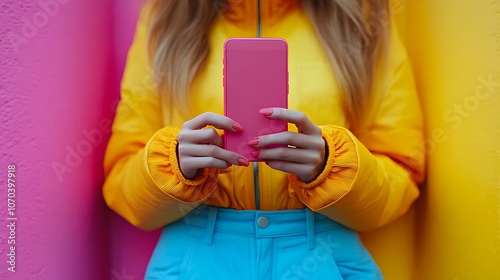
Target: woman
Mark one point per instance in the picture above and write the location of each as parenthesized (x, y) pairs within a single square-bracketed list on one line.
[(350, 163)]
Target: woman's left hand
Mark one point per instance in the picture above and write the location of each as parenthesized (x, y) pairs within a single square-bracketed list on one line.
[(304, 152)]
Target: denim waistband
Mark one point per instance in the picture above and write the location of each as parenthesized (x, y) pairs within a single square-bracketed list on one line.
[(259, 224)]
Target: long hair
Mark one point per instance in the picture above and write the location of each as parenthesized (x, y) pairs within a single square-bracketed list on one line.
[(354, 35)]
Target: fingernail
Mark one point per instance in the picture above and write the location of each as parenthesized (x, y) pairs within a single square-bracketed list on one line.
[(237, 126), (243, 162), (253, 142), (266, 111), (255, 154)]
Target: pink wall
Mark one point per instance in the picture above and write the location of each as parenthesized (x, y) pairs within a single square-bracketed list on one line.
[(60, 65), (130, 247)]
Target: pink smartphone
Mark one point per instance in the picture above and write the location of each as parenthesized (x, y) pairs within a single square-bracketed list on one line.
[(255, 77)]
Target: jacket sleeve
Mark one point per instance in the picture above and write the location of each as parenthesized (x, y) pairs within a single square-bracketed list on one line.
[(371, 180), (143, 182)]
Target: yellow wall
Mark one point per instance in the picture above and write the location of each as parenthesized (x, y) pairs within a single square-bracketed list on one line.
[(455, 49)]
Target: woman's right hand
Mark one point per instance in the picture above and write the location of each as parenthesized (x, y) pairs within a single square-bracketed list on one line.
[(200, 146)]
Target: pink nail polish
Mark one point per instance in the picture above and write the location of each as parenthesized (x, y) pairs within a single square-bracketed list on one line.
[(266, 111), (237, 126), (253, 142), (243, 162), (255, 154)]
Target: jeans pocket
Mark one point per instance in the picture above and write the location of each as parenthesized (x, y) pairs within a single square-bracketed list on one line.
[(348, 254), (295, 261), (171, 254)]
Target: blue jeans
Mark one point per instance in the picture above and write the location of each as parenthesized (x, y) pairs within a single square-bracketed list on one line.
[(217, 243)]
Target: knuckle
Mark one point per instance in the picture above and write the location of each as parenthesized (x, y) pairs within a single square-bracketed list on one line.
[(319, 143), (277, 165), (306, 158), (212, 150), (281, 153), (210, 135), (181, 137), (186, 125), (208, 114), (209, 117), (301, 117), (316, 159), (304, 170), (213, 162), (288, 137), (213, 133), (313, 157), (317, 130), (181, 149)]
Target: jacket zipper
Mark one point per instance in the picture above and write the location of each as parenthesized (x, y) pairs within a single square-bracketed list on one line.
[(259, 27), (256, 184)]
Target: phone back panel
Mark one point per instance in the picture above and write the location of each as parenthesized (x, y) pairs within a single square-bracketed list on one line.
[(255, 77)]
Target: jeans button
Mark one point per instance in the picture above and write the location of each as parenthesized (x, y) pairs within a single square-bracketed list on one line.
[(263, 222)]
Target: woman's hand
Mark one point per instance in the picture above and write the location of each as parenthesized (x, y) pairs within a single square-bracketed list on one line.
[(304, 153), (201, 147)]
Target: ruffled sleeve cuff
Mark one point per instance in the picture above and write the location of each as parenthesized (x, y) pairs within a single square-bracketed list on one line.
[(163, 167), (338, 176)]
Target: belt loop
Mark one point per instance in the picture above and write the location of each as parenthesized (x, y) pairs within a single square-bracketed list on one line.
[(310, 228), (211, 220)]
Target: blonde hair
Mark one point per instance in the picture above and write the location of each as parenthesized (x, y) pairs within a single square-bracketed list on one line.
[(354, 35)]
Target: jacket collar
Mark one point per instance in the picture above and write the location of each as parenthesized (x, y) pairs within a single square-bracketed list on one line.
[(246, 13)]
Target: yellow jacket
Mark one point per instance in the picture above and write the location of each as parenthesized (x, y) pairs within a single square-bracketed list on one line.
[(369, 180)]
